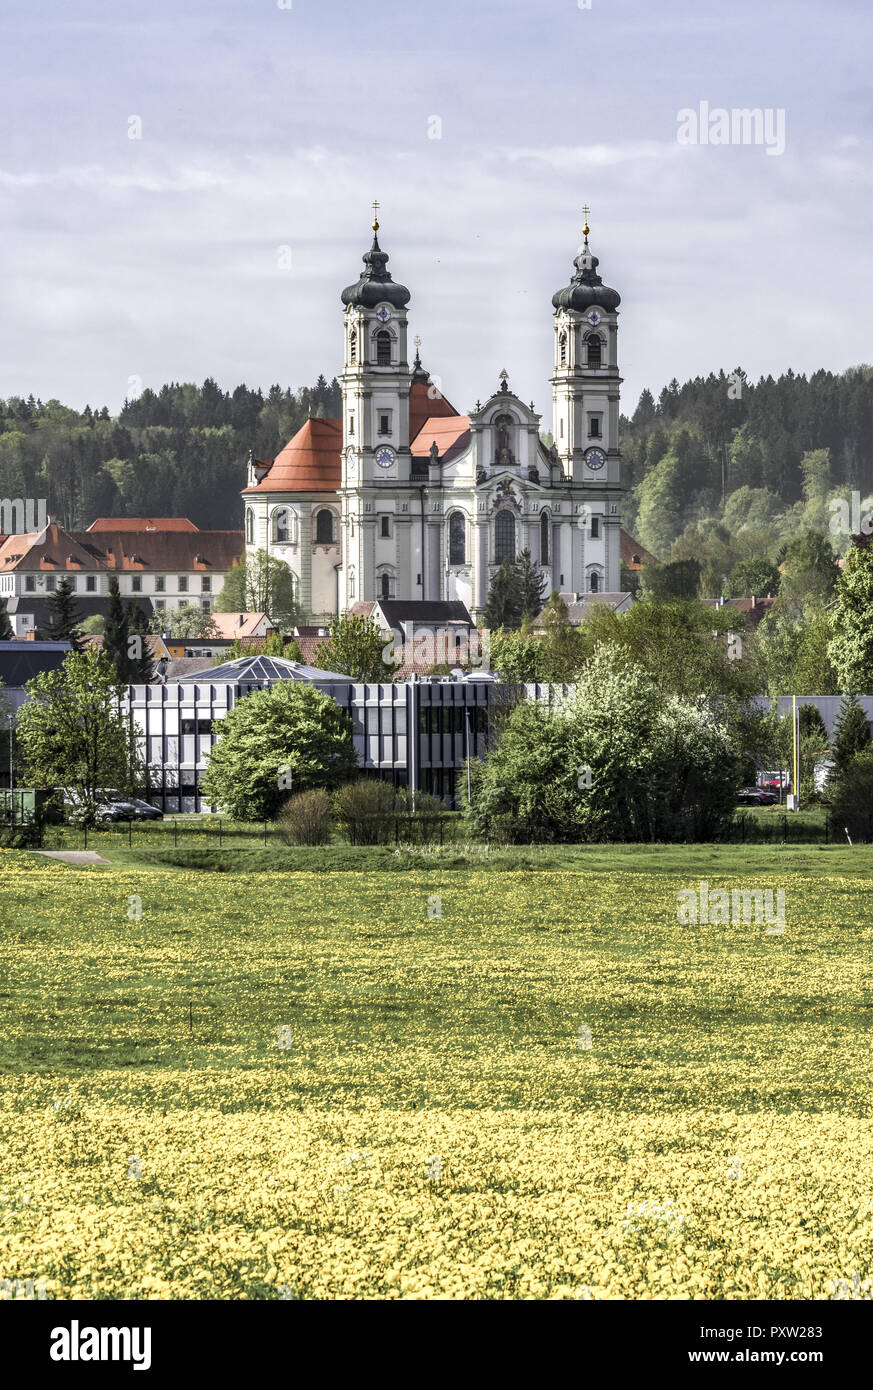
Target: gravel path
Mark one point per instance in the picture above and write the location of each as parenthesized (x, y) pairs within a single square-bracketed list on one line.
[(74, 856)]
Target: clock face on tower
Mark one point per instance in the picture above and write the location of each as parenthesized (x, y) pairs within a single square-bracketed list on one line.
[(594, 318), (383, 314), (385, 456), (595, 459)]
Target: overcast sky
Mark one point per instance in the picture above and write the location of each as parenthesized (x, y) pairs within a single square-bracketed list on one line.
[(264, 128)]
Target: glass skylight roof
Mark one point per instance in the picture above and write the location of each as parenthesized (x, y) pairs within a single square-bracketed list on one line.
[(251, 669)]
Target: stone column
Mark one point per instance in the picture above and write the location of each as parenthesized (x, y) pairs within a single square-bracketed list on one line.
[(433, 583), (481, 543)]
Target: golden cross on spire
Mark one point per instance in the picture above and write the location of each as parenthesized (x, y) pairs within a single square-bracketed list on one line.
[(417, 341), (375, 215), (585, 211)]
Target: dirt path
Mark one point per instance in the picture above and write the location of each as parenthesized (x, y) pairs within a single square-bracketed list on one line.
[(74, 856)]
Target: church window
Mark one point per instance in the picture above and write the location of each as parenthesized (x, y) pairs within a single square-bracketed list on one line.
[(353, 346), (594, 351), (504, 537), (457, 539), (351, 584), (352, 426), (563, 349), (594, 583), (250, 527), (384, 422), (544, 538), (595, 527), (280, 525), (594, 426), (385, 586), (561, 428), (383, 348), (324, 527), (385, 524)]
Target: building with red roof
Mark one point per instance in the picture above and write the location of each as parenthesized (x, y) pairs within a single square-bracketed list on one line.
[(159, 566)]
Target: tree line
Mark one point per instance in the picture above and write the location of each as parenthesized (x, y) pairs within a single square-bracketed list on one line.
[(746, 465), (178, 451)]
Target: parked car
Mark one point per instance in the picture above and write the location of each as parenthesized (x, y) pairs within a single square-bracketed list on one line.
[(755, 796), (115, 806), (135, 807)]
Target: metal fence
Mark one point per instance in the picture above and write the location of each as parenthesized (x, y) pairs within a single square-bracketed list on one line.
[(429, 828), (218, 832), (793, 828)]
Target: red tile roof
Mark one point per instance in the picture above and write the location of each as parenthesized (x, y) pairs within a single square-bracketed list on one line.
[(143, 523), (633, 554), (229, 625), (426, 403), (56, 550), (310, 462), (451, 436)]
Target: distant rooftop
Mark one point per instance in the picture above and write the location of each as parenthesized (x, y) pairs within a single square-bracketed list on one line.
[(21, 661), (143, 523)]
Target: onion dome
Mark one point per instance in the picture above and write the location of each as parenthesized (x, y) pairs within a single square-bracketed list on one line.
[(586, 287), (375, 285)]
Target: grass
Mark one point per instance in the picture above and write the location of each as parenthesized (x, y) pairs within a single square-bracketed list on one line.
[(433, 1127)]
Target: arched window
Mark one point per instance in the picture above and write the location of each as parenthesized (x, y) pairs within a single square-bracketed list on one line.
[(385, 586), (594, 351), (457, 539), (281, 525), (562, 343), (250, 527), (351, 584), (353, 346), (324, 527), (544, 538), (504, 536), (383, 348), (594, 584)]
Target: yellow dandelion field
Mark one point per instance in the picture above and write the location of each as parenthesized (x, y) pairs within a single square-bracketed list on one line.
[(433, 1084)]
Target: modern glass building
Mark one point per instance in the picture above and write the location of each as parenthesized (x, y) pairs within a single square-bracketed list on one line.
[(414, 733)]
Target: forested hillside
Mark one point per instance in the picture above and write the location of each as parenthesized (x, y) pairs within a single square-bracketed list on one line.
[(713, 463), (762, 458), (180, 451)]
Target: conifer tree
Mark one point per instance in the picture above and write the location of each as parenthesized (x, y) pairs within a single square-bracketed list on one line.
[(141, 666), (505, 606), (116, 632), (533, 585), (6, 633), (64, 616), (851, 735)]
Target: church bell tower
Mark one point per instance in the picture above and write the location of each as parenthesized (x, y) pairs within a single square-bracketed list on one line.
[(376, 380), (585, 394)]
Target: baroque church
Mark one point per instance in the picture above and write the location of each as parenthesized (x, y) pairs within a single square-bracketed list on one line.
[(405, 498)]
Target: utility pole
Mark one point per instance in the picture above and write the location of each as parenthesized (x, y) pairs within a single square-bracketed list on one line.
[(795, 768)]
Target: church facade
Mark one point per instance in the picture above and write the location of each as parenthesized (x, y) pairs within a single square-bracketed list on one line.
[(406, 498)]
